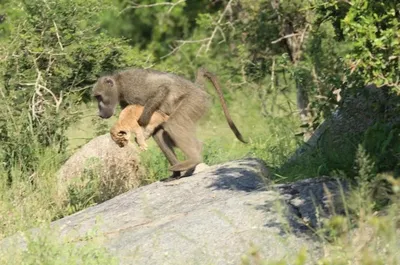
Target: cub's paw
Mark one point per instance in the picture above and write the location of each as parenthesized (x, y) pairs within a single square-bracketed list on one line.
[(143, 147)]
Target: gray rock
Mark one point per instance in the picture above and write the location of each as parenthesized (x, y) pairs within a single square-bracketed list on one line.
[(117, 168), (312, 200), (342, 131), (213, 217)]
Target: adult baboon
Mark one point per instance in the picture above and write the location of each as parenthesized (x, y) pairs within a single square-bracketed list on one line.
[(182, 100), (127, 123)]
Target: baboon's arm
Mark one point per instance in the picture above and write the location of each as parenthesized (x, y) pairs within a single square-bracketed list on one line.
[(153, 104)]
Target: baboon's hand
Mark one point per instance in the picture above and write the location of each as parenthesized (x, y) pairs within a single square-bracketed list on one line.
[(148, 131), (144, 119), (153, 105)]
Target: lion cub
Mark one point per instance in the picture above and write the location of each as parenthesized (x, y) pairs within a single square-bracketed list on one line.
[(127, 123)]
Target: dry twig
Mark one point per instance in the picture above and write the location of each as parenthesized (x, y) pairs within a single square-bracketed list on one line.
[(285, 37), (136, 6), (58, 36), (206, 42), (227, 7)]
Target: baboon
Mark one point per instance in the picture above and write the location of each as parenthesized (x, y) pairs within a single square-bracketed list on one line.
[(127, 123), (182, 100)]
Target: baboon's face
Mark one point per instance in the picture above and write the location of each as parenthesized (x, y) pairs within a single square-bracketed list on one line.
[(106, 94)]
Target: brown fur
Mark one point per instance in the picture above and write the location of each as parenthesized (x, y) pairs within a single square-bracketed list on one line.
[(184, 101), (127, 124), (200, 80)]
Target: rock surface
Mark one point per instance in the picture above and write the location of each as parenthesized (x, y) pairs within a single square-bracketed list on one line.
[(357, 112), (213, 217), (105, 159)]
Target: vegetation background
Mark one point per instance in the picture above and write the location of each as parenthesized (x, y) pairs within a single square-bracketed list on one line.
[(284, 65)]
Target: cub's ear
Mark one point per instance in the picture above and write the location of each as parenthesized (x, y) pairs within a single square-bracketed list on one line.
[(109, 81), (122, 133)]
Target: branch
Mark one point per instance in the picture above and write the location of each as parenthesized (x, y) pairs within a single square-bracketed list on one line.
[(228, 6), (38, 103), (206, 41), (182, 43), (58, 36), (286, 37), (137, 6)]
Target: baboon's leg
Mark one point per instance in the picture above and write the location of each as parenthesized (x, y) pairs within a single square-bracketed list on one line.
[(151, 128), (181, 127), (190, 146), (166, 145)]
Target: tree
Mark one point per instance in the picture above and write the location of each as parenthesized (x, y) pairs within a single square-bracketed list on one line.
[(372, 30), (51, 54)]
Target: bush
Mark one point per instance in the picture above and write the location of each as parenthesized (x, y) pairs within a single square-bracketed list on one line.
[(53, 53)]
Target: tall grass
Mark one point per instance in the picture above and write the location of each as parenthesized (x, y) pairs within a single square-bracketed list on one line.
[(32, 200), (366, 234), (47, 248)]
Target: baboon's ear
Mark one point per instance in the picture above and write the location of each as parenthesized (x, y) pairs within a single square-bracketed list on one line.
[(109, 81)]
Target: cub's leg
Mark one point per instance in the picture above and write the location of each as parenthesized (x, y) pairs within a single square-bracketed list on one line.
[(127, 123)]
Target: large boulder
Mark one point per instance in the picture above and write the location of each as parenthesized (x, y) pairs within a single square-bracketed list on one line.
[(364, 116), (117, 169), (217, 216)]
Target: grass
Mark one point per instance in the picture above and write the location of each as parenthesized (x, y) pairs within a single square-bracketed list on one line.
[(48, 249), (364, 237), (26, 204), (367, 233)]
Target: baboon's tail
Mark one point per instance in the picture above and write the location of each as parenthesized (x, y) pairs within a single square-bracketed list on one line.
[(203, 72)]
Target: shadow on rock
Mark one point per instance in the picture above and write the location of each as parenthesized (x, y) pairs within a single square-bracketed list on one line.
[(310, 201), (248, 175)]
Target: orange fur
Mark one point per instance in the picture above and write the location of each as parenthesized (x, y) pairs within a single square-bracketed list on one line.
[(128, 123)]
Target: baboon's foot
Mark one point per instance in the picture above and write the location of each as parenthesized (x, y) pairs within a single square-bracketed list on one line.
[(197, 169), (175, 175), (185, 165), (187, 173)]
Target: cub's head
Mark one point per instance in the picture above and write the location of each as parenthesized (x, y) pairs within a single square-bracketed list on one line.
[(121, 138)]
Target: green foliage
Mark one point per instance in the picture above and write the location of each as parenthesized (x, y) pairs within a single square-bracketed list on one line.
[(372, 30), (213, 152), (155, 164), (379, 153), (382, 142), (82, 193), (30, 200), (59, 49), (52, 51), (48, 249), (52, 55), (153, 25)]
